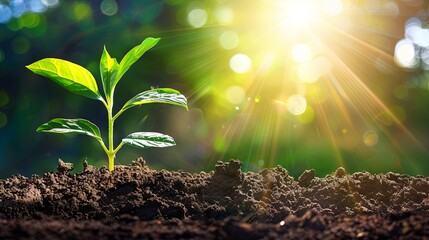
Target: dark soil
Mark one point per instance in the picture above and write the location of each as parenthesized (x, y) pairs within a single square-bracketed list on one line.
[(135, 202)]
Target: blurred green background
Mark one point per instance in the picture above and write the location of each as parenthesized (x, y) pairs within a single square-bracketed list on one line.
[(302, 84)]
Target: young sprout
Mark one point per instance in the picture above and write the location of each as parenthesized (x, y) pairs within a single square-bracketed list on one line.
[(79, 80)]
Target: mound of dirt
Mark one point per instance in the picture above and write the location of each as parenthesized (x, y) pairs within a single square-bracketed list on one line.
[(138, 202)]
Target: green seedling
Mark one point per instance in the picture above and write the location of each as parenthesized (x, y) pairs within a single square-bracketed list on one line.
[(80, 81)]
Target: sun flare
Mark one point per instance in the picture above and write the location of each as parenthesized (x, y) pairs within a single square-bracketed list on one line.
[(302, 14), (297, 66), (298, 13)]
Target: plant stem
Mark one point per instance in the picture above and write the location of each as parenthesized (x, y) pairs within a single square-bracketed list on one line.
[(111, 152), (119, 147), (118, 113)]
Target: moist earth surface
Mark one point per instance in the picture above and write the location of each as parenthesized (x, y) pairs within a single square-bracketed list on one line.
[(135, 202)]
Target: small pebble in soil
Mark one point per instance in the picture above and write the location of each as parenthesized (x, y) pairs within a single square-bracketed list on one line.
[(305, 179), (230, 169), (64, 167), (88, 168), (340, 172)]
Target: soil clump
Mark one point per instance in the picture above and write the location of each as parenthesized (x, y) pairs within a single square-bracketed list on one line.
[(135, 202)]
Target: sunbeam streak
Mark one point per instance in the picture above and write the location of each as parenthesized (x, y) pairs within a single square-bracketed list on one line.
[(297, 82)]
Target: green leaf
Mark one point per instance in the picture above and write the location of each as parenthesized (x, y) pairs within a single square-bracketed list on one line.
[(133, 55), (80, 126), (159, 95), (148, 139), (71, 76), (108, 69)]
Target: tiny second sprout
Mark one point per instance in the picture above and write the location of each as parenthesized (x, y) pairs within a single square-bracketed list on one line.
[(80, 81)]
